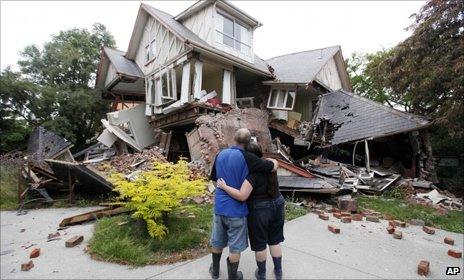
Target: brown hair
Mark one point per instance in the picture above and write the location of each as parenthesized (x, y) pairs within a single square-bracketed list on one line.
[(273, 188)]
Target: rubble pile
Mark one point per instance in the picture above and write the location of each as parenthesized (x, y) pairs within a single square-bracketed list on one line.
[(131, 162)]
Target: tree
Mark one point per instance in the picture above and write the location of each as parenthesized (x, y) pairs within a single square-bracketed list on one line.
[(425, 72), (54, 87)]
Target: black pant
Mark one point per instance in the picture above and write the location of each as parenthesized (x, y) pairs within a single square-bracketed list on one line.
[(266, 222)]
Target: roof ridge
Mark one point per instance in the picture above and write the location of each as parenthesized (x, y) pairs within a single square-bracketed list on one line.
[(304, 51), (406, 115), (158, 10)]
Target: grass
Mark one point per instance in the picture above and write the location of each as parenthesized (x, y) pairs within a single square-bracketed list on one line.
[(120, 239), (8, 187), (394, 208), (293, 211)]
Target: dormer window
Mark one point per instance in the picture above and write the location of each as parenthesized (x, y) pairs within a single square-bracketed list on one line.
[(281, 99), (233, 33)]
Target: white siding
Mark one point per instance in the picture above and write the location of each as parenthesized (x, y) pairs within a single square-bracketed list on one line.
[(202, 24), (329, 75), (167, 47)]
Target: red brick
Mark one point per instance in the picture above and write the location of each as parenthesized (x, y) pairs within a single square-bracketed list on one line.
[(397, 234), (428, 230), (454, 253), (449, 240), (372, 218), (423, 268), (334, 229), (399, 223), (318, 211), (27, 266), (348, 204), (335, 209), (35, 253), (324, 216), (390, 230), (346, 214), (392, 223), (346, 219), (74, 241), (337, 215), (357, 217)]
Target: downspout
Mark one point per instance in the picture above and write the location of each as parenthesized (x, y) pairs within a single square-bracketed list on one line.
[(368, 164)]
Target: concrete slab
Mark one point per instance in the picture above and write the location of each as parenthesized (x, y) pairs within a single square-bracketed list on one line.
[(363, 250)]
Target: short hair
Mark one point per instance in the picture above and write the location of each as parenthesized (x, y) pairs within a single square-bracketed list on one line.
[(242, 136), (255, 148)]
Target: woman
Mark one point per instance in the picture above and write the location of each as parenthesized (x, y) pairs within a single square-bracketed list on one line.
[(266, 214)]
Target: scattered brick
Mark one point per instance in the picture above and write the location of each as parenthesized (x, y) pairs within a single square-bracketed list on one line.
[(390, 229), (337, 215), (324, 216), (392, 223), (74, 241), (318, 211), (373, 219), (398, 234), (417, 222), (334, 229), (449, 240), (27, 266), (423, 268), (378, 214), (454, 253), (428, 230), (400, 223), (357, 217), (335, 209), (346, 219), (35, 253), (346, 214)]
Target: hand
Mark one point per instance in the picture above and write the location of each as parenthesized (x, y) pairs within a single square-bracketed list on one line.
[(275, 162), (221, 184)]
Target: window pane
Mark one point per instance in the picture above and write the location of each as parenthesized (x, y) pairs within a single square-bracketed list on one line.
[(164, 85), (237, 35), (281, 99), (153, 90), (273, 98), (290, 98), (228, 27), (228, 41)]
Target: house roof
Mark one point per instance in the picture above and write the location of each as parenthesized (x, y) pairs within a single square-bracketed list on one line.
[(188, 36), (353, 118), (199, 5), (301, 67), (123, 65)]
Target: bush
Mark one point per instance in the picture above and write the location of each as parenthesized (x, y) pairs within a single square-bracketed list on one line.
[(156, 193)]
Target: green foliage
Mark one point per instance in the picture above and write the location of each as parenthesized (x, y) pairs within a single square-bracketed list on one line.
[(293, 210), (8, 187), (119, 239), (55, 87), (401, 210), (157, 192)]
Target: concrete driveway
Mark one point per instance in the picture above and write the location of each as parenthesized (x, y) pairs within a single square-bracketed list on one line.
[(362, 250)]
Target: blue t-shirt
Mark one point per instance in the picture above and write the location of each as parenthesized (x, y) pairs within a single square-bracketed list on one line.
[(231, 166)]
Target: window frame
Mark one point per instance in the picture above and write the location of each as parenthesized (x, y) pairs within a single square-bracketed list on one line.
[(235, 22), (150, 50), (280, 91), (171, 85)]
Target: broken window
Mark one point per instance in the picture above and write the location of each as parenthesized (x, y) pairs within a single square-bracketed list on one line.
[(168, 85), (281, 99), (232, 33)]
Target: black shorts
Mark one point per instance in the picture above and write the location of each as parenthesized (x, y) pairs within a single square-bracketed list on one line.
[(266, 222)]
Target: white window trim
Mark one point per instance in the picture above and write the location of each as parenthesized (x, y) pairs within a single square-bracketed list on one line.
[(171, 86), (280, 91), (234, 20)]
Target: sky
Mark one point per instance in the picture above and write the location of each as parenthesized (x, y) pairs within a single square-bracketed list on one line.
[(290, 26)]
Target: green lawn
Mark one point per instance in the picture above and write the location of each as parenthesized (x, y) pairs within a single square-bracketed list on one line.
[(8, 187), (399, 209), (129, 243), (293, 211)]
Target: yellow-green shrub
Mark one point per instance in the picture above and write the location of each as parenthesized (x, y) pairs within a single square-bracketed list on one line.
[(157, 192)]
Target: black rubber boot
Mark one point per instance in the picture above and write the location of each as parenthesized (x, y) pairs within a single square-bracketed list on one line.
[(232, 270), (277, 267), (260, 272), (214, 267)]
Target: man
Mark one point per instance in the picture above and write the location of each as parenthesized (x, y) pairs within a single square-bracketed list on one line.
[(229, 222)]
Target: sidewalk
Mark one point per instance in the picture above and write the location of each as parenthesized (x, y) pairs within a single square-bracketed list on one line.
[(361, 250)]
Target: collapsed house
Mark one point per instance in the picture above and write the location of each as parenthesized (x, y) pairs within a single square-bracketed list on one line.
[(186, 83)]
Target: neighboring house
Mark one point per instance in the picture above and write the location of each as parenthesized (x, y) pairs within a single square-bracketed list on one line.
[(172, 61)]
